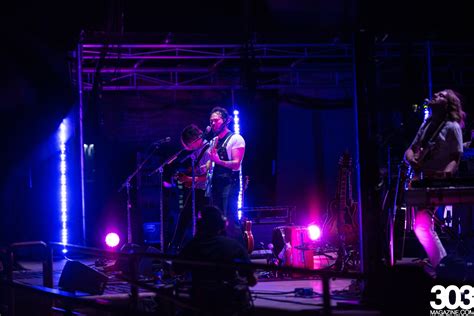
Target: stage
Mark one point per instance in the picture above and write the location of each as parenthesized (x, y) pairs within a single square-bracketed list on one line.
[(273, 295)]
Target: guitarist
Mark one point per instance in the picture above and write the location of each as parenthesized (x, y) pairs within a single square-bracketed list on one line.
[(226, 154), (436, 152), (192, 139)]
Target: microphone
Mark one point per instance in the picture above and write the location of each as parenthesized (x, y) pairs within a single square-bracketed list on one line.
[(417, 107), (206, 133), (162, 141)]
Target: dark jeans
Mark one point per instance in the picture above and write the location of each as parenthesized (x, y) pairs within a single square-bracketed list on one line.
[(183, 232), (225, 193)]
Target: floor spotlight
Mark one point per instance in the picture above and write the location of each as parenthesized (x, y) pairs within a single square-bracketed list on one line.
[(314, 232), (112, 240)]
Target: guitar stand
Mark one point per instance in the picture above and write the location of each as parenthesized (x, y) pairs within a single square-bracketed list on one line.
[(346, 259)]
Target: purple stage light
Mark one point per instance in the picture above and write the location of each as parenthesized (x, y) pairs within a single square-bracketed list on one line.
[(314, 232), (112, 240)]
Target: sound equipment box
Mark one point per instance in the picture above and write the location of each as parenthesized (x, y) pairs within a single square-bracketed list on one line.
[(77, 276), (264, 219), (292, 245), (151, 232), (144, 264)]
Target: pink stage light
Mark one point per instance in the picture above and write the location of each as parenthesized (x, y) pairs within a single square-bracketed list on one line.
[(112, 240), (314, 232)]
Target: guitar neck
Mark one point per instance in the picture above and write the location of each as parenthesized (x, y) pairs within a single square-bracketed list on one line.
[(343, 190)]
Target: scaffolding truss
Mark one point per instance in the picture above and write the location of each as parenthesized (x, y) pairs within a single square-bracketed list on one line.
[(212, 67), (147, 67)]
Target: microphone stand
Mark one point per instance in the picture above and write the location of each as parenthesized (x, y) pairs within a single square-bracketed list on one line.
[(160, 171), (126, 184), (192, 156)]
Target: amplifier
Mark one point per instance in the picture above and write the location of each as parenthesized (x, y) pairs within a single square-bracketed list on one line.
[(269, 214), (151, 232), (466, 165)]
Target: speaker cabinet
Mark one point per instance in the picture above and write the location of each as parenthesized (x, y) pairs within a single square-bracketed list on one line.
[(79, 277)]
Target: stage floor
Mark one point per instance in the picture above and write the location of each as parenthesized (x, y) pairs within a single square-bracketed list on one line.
[(272, 296)]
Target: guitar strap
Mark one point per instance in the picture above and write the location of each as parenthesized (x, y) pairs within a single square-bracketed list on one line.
[(427, 140), (223, 152), (203, 150)]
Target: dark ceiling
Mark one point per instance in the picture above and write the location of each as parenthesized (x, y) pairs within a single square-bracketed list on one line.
[(37, 35), (59, 22)]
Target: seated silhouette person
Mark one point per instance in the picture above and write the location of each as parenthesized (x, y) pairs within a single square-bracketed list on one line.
[(217, 291)]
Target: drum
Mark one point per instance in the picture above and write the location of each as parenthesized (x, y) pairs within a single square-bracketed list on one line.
[(292, 246)]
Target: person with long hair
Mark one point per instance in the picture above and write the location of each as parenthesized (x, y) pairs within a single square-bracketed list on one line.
[(435, 153)]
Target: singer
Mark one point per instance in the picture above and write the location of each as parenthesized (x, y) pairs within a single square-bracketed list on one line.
[(226, 153), (436, 152)]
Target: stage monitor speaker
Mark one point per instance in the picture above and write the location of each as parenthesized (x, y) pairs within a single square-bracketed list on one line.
[(77, 276), (145, 264), (455, 270)]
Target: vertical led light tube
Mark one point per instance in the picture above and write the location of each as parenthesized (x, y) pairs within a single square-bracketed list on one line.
[(63, 184), (240, 198)]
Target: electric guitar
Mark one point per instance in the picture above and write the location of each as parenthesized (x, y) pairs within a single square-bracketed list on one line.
[(210, 168), (398, 221), (186, 177), (342, 223), (248, 236), (421, 153), (247, 224), (187, 181)]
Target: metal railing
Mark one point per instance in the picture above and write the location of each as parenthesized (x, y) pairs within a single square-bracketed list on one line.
[(133, 277)]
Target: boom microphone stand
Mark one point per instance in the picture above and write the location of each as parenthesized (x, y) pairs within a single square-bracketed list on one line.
[(126, 184), (160, 171), (192, 156)]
